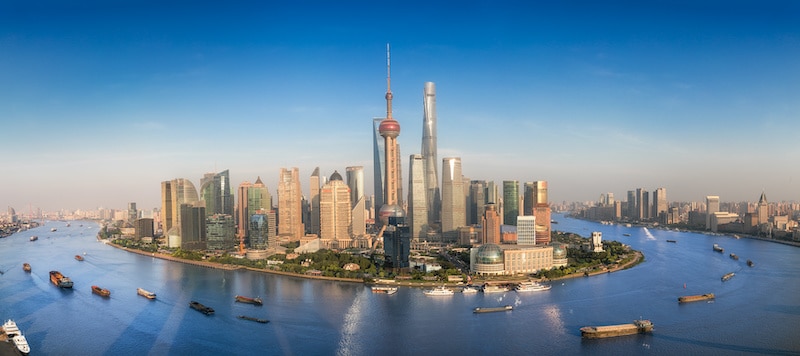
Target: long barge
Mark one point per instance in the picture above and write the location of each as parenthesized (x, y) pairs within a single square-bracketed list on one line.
[(600, 332), (695, 298), (201, 308), (145, 293), (101, 291), (243, 299), (258, 320), (480, 310), (728, 276)]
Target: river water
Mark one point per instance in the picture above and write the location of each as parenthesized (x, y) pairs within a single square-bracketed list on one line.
[(755, 312)]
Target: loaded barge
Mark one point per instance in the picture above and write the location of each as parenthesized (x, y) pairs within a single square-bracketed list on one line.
[(201, 308), (243, 299), (695, 298), (258, 320), (600, 332), (60, 280), (480, 310)]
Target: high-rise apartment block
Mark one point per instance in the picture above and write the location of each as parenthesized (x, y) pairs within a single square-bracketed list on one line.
[(660, 205), (335, 212), (491, 225), (526, 230), (314, 183), (242, 211), (510, 202)]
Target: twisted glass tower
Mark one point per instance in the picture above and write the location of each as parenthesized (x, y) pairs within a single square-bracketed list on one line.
[(429, 152)]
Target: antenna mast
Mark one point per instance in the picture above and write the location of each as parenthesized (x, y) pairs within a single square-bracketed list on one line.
[(388, 84)]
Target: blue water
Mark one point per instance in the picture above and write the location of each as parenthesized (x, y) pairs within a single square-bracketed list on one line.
[(756, 312)]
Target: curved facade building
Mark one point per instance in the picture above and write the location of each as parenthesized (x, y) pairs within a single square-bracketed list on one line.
[(488, 259), (429, 152)]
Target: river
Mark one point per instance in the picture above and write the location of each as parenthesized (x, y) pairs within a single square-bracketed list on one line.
[(755, 312)]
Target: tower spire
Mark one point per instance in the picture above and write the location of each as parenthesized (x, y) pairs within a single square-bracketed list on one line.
[(388, 84)]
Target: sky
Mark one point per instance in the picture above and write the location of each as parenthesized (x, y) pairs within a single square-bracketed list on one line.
[(101, 101)]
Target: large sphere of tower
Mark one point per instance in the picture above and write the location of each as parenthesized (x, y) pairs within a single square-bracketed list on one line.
[(390, 128)]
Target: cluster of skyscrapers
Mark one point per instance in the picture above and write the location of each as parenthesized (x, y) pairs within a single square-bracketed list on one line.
[(337, 214)]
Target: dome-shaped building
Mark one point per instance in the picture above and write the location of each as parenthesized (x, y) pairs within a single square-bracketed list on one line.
[(488, 259), (559, 254)]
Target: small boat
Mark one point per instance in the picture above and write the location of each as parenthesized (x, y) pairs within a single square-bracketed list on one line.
[(728, 276), (245, 317), (733, 256), (146, 294), (469, 290), (79, 257), (34, 238), (672, 241), (750, 263), (383, 289), (479, 310), (53, 230), (626, 234), (717, 248), (201, 308), (599, 332), (101, 291), (26, 267), (11, 331), (532, 287), (438, 291), (242, 299), (695, 298)]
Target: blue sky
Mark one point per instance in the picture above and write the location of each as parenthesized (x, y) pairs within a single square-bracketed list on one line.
[(100, 101)]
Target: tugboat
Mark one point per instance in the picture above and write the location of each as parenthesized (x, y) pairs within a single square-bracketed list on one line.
[(242, 299), (245, 317), (734, 257), (79, 257), (728, 276), (26, 267), (717, 248), (750, 263), (201, 308), (34, 238), (101, 291)]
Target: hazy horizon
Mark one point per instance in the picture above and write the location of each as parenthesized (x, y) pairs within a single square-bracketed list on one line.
[(101, 102)]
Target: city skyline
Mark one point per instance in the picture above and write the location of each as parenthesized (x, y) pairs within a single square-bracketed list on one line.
[(103, 102)]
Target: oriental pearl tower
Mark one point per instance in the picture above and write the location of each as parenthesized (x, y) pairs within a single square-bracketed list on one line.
[(393, 231)]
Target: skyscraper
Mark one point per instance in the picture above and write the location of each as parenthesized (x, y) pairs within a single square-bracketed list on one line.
[(433, 198), (355, 180), (395, 233), (315, 187), (526, 230), (491, 224), (417, 202), (174, 194), (477, 201), (762, 210), (335, 212), (453, 200), (510, 202), (242, 211), (712, 206), (215, 192), (290, 211), (541, 210), (660, 205), (379, 163)]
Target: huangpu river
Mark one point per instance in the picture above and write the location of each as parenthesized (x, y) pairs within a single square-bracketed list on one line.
[(755, 312)]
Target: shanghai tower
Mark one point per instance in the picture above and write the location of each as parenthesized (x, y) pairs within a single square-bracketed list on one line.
[(429, 152)]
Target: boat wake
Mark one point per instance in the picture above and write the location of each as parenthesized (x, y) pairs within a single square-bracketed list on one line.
[(649, 235)]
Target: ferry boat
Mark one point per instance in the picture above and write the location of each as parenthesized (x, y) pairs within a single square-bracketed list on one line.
[(79, 257), (201, 308), (26, 267), (245, 317), (242, 299), (718, 248), (695, 298), (494, 289), (479, 310), (728, 276), (101, 291), (383, 289), (146, 294), (599, 332), (469, 290), (11, 331), (733, 256), (438, 291), (60, 280), (532, 287), (34, 238)]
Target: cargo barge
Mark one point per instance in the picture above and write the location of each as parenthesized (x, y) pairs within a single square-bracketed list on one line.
[(728, 276), (101, 291), (734, 257), (695, 298), (258, 320), (201, 308), (717, 248), (60, 280), (600, 332), (146, 294), (480, 310), (243, 299), (79, 257)]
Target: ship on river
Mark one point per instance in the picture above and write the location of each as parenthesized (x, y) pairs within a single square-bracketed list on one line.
[(146, 294), (26, 267), (728, 276), (479, 310), (11, 333), (600, 332), (695, 298), (101, 291), (60, 280), (201, 308), (718, 248), (243, 299)]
